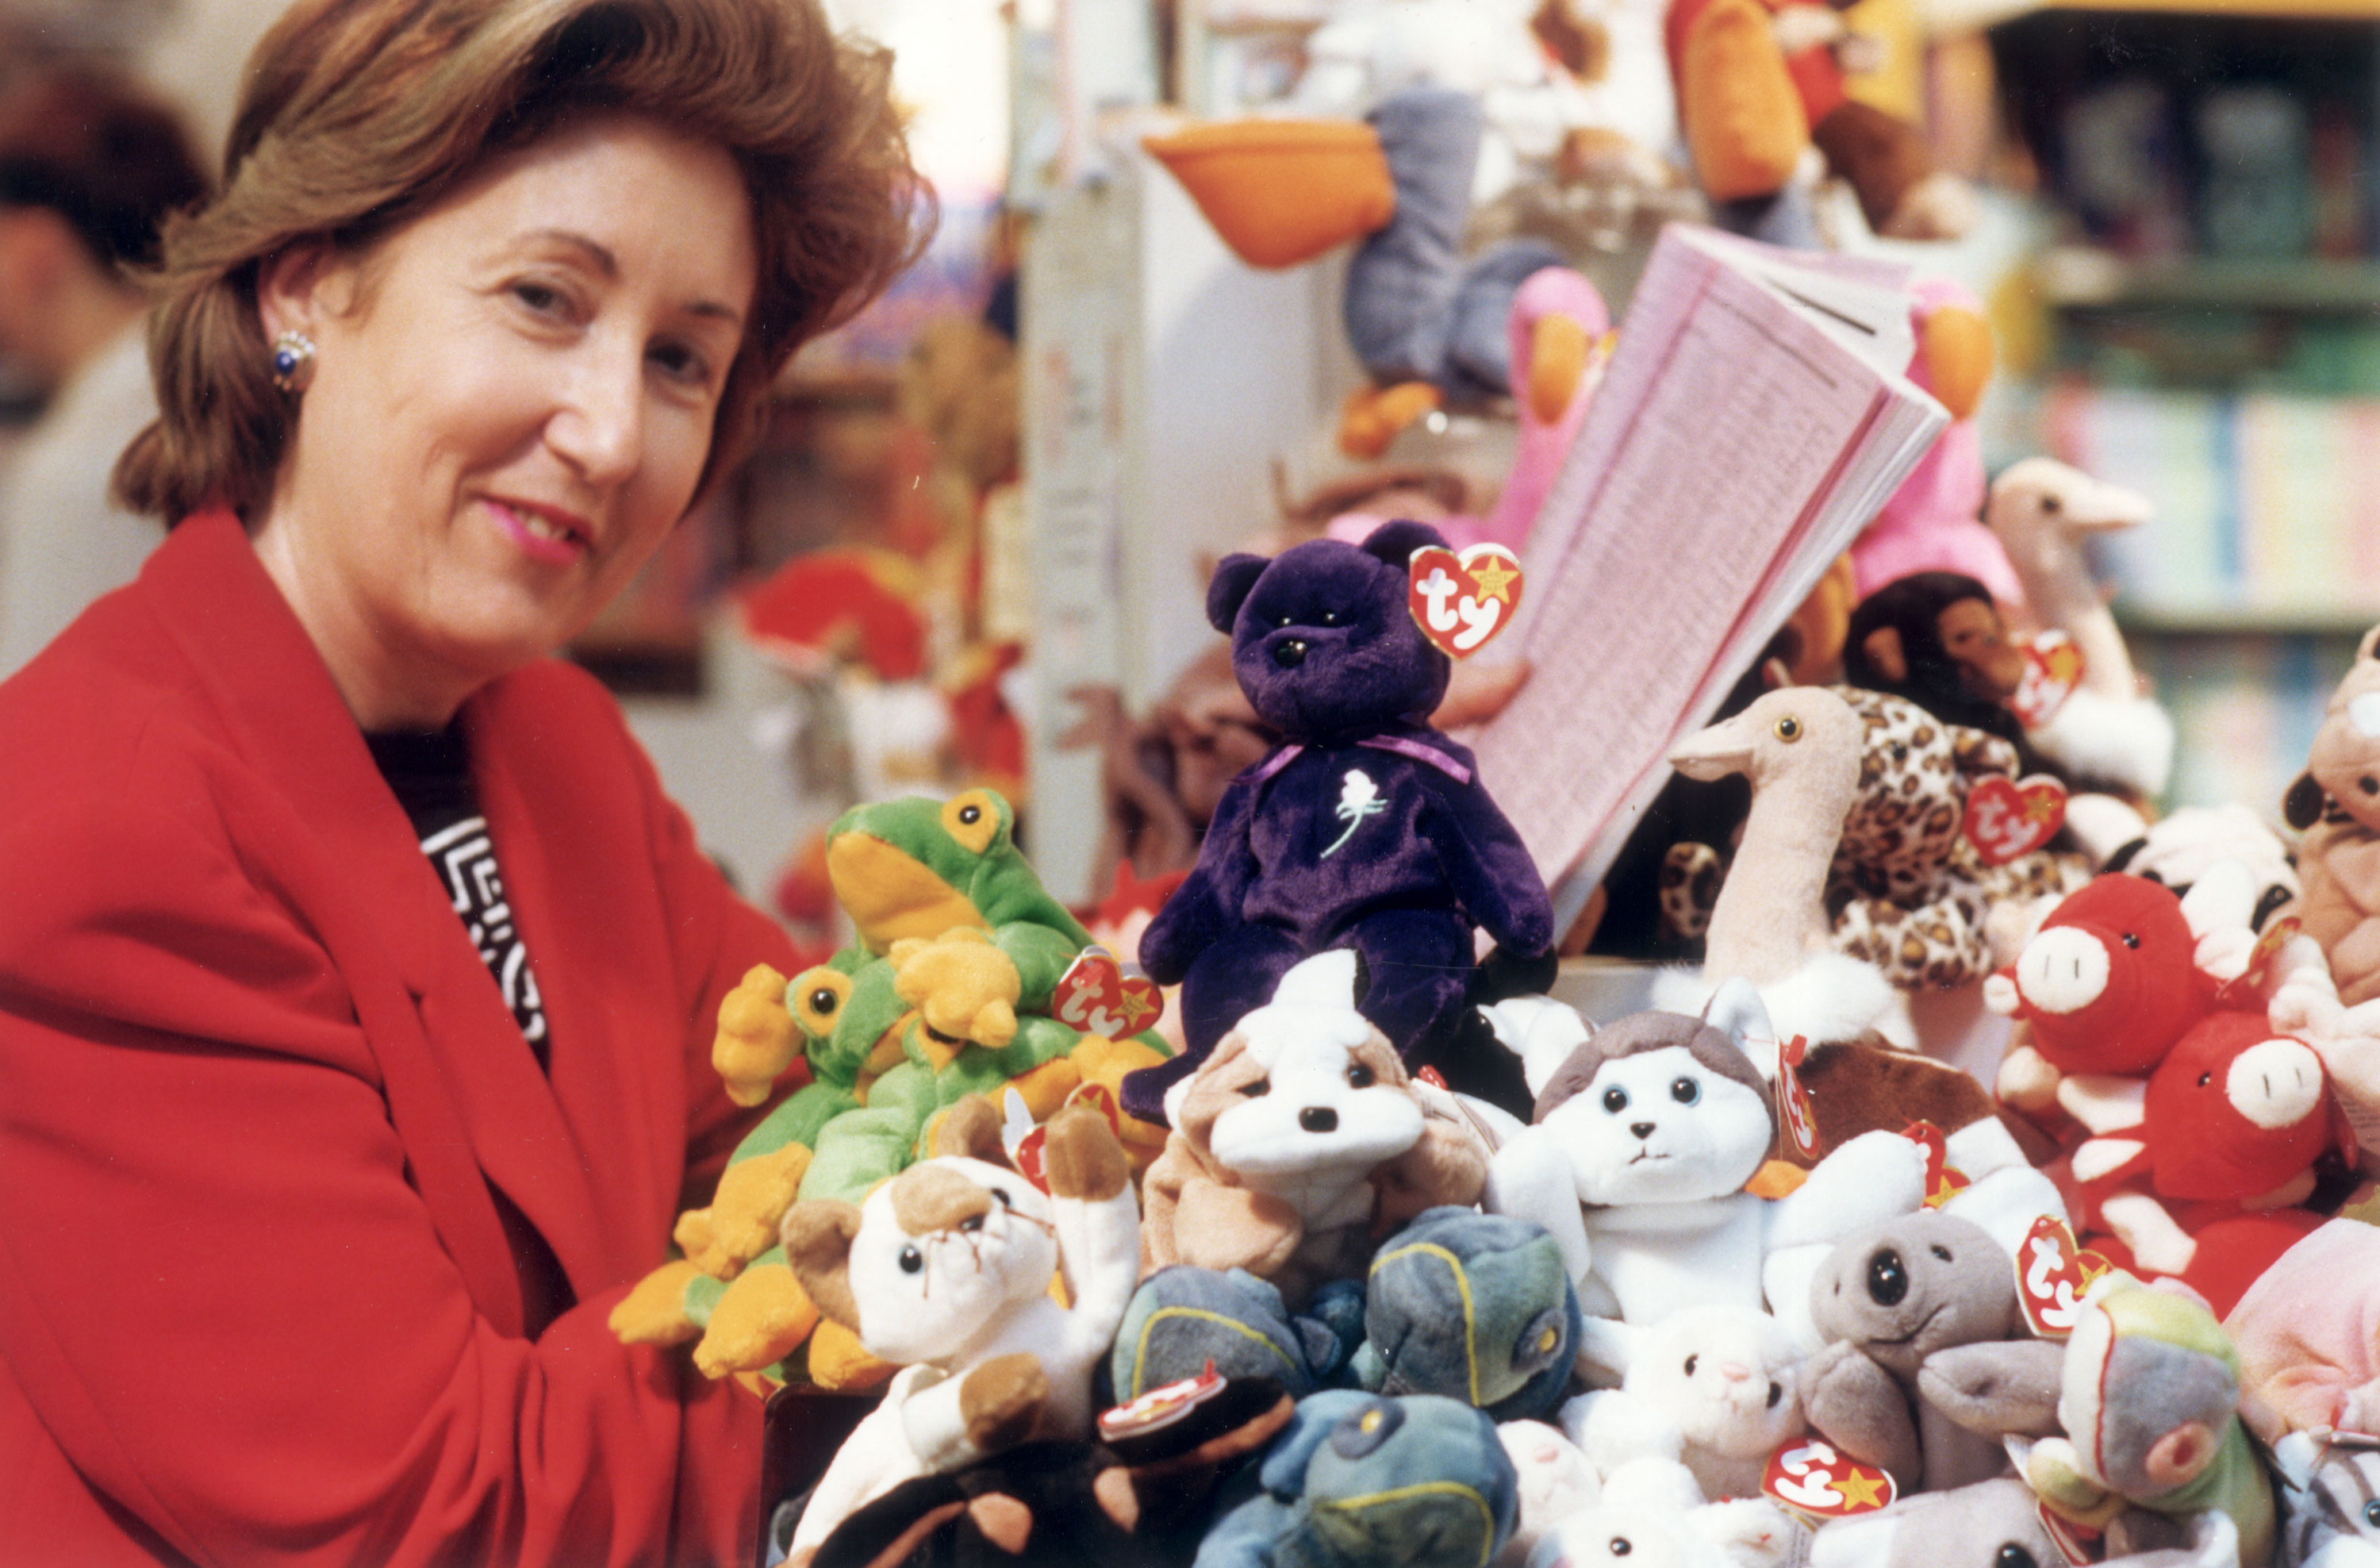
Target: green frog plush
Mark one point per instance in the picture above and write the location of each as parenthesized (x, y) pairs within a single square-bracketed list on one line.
[(944, 995)]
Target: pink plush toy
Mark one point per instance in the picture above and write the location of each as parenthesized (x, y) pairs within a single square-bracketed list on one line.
[(2308, 1333), (1546, 425), (1933, 521)]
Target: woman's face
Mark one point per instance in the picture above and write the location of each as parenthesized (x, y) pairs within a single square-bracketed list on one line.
[(513, 398)]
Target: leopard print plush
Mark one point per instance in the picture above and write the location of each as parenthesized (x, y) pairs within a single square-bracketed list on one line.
[(1908, 892)]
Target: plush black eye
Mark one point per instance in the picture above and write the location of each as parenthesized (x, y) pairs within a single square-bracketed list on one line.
[(2371, 1514), (972, 1224), (1619, 1547), (1002, 1194), (1615, 1100), (1690, 1365), (911, 1260), (2014, 1556), (824, 1001), (1283, 620), (1938, 1250), (1789, 729), (1888, 1278), (2205, 1079), (970, 815), (2052, 503), (1776, 1393), (1685, 1091), (2130, 940), (1361, 1077), (1328, 617), (1261, 1087)]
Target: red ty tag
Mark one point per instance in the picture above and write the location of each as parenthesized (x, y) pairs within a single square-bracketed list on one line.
[(2006, 819), (2052, 1272), (1942, 1180), (1095, 996), (1810, 1477), (1461, 603), (2241, 991), (1794, 1100), (2052, 668)]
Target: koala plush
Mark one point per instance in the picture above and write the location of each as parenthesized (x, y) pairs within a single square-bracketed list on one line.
[(1365, 828), (1636, 1160), (1297, 1139), (946, 1271), (1915, 1379), (1994, 1523), (1716, 1388)]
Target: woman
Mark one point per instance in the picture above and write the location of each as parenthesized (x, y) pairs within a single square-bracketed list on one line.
[(314, 1196)]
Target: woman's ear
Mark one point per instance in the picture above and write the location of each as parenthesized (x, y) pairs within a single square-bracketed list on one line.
[(299, 287)]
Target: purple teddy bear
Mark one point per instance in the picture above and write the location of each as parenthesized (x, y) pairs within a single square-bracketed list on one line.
[(1367, 829)]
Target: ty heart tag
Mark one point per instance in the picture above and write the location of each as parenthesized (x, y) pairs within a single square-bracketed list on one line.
[(1095, 996), (2005, 819), (1810, 1477), (2052, 668), (2052, 1272), (1461, 602), (1794, 1099), (1942, 1180), (2243, 989)]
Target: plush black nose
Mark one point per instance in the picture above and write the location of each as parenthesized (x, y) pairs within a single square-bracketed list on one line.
[(1318, 1119), (2368, 784), (1289, 654), (1642, 1129)]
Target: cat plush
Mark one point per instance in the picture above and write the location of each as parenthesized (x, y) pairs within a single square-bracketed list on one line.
[(1637, 1157), (1300, 1139), (1365, 828), (945, 1270), (1715, 1388)]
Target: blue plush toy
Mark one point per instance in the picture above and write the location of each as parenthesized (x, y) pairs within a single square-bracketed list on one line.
[(1183, 1320), (1365, 828), (1474, 1307), (1357, 1480)]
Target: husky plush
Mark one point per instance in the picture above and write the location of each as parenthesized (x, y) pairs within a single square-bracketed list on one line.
[(2330, 1502), (1637, 1158), (945, 1270)]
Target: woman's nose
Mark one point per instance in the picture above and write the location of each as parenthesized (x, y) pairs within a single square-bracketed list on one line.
[(599, 428)]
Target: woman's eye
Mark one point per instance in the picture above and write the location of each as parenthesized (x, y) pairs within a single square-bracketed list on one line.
[(541, 298), (680, 362)]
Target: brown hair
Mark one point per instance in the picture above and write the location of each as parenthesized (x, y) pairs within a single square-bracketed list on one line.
[(359, 115), (109, 159)]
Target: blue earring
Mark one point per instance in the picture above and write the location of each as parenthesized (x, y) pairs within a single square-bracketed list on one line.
[(293, 361)]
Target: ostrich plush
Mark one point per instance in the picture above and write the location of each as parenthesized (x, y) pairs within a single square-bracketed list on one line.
[(2105, 729), (1800, 748)]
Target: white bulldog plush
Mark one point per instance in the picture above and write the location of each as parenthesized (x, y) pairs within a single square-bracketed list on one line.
[(1636, 1160), (1715, 1388), (1298, 1137), (946, 1270)]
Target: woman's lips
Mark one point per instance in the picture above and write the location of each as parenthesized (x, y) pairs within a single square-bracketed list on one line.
[(543, 536)]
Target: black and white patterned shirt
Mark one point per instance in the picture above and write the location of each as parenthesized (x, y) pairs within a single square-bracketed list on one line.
[(431, 775)]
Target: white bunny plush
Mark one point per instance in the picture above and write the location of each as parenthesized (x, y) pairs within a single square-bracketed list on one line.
[(1641, 1142), (1556, 1481), (946, 1270), (1716, 1388), (1653, 1515)]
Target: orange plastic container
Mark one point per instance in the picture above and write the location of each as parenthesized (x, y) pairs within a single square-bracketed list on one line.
[(1283, 192)]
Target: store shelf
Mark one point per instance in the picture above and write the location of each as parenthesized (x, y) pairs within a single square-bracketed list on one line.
[(2080, 277), (2225, 620)]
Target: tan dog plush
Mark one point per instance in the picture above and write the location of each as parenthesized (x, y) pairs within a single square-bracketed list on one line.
[(1299, 1139), (2336, 803), (945, 1270)]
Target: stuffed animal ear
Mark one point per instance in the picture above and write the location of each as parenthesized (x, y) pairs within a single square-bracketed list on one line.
[(2302, 807), (2369, 647), (1234, 576), (1736, 1011), (1883, 648), (1333, 979), (818, 1233), (1396, 542), (1978, 754)]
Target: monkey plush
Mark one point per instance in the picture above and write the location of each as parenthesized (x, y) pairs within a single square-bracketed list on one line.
[(1936, 639)]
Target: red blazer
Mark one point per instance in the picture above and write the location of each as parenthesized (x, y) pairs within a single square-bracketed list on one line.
[(256, 1305)]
